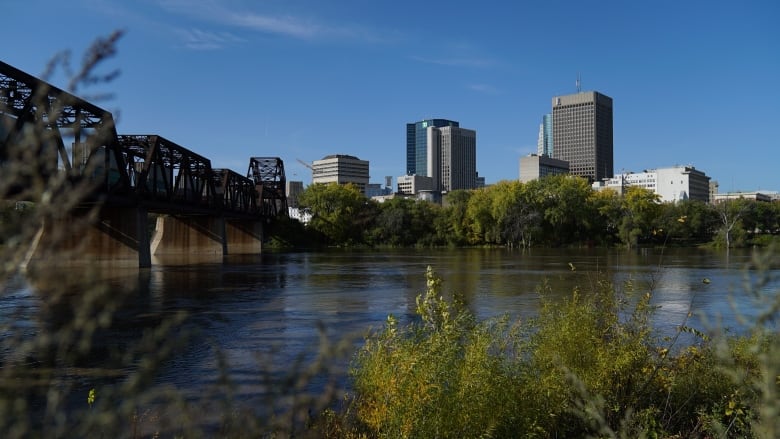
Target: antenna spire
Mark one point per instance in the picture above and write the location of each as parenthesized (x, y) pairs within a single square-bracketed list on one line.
[(579, 86)]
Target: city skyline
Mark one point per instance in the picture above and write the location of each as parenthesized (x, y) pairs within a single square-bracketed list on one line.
[(692, 83)]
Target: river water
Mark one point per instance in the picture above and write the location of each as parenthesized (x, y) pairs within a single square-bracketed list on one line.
[(265, 312)]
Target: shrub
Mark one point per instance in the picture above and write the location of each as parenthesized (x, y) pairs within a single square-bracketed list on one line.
[(588, 366), (442, 376)]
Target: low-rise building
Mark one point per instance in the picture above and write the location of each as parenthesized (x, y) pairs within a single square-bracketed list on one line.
[(534, 167), (672, 184), (755, 196), (413, 184)]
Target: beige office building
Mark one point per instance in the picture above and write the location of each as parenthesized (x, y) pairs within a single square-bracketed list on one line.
[(534, 167), (341, 169)]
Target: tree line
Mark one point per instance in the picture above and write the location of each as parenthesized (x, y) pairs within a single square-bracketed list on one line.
[(552, 211)]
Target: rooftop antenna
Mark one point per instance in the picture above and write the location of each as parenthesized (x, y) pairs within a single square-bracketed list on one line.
[(579, 86)]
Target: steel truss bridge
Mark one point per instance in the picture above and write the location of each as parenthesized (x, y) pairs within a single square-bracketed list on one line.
[(76, 138)]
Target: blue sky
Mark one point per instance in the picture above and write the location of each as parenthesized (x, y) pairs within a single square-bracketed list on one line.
[(693, 82)]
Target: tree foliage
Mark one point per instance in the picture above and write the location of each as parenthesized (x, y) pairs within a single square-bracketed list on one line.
[(339, 212), (552, 211)]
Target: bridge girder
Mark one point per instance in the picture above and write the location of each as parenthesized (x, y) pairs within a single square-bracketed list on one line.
[(238, 192), (127, 170), (36, 118), (270, 182)]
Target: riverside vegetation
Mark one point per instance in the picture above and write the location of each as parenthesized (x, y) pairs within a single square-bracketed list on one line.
[(552, 211), (588, 366)]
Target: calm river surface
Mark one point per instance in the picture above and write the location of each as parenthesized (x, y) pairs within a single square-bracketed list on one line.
[(266, 309)]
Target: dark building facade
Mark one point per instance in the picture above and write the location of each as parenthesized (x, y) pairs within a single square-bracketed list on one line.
[(582, 134)]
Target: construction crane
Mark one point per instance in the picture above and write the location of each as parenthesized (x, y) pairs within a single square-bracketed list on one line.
[(308, 165), (305, 164)]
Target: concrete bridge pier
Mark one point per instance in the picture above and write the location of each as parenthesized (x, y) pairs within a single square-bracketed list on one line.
[(244, 237), (200, 235), (116, 235)]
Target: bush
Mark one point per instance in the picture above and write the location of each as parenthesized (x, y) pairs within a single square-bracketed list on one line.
[(590, 366)]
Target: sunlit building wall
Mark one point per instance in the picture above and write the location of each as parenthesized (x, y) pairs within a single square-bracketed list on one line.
[(672, 184), (533, 167), (341, 169), (582, 134)]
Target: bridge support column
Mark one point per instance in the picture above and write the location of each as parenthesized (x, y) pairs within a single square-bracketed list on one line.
[(190, 235), (119, 236), (244, 237)]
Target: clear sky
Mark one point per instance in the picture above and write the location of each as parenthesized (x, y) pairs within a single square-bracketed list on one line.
[(693, 82)]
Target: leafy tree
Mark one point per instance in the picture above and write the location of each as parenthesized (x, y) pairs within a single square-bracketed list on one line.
[(518, 214), (730, 213), (761, 217), (483, 227), (453, 225), (405, 222), (640, 213), (568, 213), (609, 207), (339, 212), (688, 221)]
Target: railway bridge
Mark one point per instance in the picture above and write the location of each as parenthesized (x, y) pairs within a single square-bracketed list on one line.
[(54, 144)]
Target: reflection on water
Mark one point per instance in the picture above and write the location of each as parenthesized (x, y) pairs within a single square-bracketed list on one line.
[(265, 310)]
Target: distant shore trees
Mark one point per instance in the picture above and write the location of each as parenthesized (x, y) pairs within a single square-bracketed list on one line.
[(552, 211)]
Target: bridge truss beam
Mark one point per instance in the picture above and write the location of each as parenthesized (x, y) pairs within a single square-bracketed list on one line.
[(40, 122), (270, 183)]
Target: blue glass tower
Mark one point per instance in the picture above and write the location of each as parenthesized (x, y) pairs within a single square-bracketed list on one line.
[(417, 144), (547, 148)]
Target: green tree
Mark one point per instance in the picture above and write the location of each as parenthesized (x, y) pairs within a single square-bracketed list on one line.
[(405, 222), (641, 208), (482, 226), (609, 207), (453, 225), (688, 221), (518, 213), (339, 212), (731, 213), (568, 213)]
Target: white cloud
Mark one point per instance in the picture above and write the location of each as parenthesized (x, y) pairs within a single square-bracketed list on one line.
[(242, 17), (197, 39)]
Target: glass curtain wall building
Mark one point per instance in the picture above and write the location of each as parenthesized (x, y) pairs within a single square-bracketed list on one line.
[(417, 144), (545, 142)]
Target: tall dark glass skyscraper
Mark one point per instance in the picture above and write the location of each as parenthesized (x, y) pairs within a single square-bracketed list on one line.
[(417, 144)]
